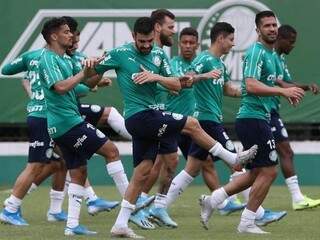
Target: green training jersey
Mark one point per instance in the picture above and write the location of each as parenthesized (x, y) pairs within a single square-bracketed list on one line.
[(29, 61), (62, 110), (184, 102), (126, 61), (209, 93), (282, 74), (259, 63)]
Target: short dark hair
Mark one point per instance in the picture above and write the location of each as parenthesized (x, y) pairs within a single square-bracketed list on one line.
[(51, 26), (219, 28), (263, 14), (159, 15), (189, 31), (143, 25), (285, 31), (72, 23)]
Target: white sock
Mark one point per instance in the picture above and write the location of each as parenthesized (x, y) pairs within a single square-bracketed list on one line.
[(217, 197), (144, 195), (66, 183), (259, 212), (293, 185), (116, 171), (32, 188), (116, 122), (244, 193), (12, 204), (219, 151), (160, 201), (56, 201), (89, 194), (247, 217), (223, 204), (76, 193), (124, 214), (178, 185)]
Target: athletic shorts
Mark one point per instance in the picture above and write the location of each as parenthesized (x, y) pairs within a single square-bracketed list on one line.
[(40, 144), (148, 128), (217, 132), (252, 131), (278, 129), (80, 143), (184, 143), (91, 113)]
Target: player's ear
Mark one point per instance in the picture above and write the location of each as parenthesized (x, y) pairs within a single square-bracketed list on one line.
[(54, 36), (133, 35), (157, 27)]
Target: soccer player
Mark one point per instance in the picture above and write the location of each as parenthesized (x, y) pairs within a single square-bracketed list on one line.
[(40, 143), (77, 139), (285, 43), (139, 67), (252, 126)]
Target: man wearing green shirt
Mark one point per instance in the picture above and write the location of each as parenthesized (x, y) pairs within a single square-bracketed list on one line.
[(139, 67), (77, 139), (252, 125), (285, 43)]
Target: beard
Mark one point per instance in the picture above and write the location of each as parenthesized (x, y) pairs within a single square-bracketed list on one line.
[(144, 51), (166, 40)]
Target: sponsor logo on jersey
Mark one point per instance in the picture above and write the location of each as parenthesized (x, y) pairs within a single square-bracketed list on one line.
[(80, 141)]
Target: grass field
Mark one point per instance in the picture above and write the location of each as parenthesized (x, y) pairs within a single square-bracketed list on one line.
[(304, 225)]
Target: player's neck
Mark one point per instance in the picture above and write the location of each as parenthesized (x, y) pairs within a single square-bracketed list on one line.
[(158, 42), (267, 45), (215, 50), (57, 49)]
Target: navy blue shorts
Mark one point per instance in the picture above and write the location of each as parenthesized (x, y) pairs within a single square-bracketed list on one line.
[(184, 143), (80, 143), (148, 128), (217, 132), (40, 144), (91, 113), (252, 131), (278, 129)]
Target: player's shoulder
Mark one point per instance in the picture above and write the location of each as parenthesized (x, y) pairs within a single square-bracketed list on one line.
[(125, 48), (175, 59), (202, 57), (158, 51)]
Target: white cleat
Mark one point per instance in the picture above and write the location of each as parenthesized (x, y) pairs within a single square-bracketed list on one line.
[(124, 232), (205, 211), (246, 156), (251, 228)]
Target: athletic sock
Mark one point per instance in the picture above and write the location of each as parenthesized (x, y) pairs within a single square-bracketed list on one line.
[(56, 201), (75, 193), (116, 122), (116, 171), (293, 185), (124, 214)]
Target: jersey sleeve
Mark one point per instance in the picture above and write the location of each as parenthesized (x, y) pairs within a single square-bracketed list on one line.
[(16, 66), (226, 74), (253, 64), (286, 73), (50, 70), (111, 61), (201, 66)]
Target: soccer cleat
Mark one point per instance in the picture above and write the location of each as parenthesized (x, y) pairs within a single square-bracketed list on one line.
[(12, 218), (143, 202), (205, 211), (124, 232), (57, 217), (232, 206), (305, 203), (78, 230), (269, 217), (100, 205), (162, 215), (141, 220), (246, 156), (252, 228)]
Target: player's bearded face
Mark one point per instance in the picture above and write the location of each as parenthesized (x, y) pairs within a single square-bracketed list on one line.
[(75, 44), (167, 32), (144, 42), (268, 29)]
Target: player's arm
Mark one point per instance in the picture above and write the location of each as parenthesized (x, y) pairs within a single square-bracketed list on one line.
[(314, 88), (213, 74), (26, 86), (231, 90), (16, 66)]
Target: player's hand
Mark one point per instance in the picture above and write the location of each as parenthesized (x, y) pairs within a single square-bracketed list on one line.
[(94, 89), (89, 65), (314, 88), (186, 81), (105, 82), (145, 76), (215, 74), (293, 94)]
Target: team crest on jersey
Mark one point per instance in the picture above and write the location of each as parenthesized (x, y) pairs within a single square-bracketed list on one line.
[(273, 156), (95, 108), (157, 61), (284, 132), (100, 134), (229, 145), (49, 153)]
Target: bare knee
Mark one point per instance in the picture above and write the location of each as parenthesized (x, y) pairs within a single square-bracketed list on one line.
[(192, 126), (109, 151)]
